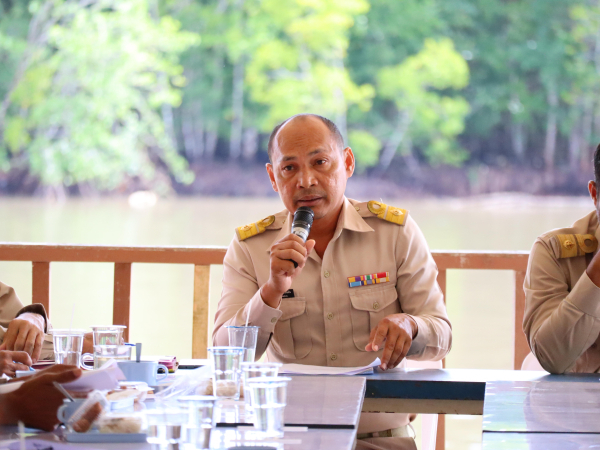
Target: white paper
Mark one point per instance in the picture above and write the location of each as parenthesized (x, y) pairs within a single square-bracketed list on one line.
[(107, 377), (36, 444), (305, 369)]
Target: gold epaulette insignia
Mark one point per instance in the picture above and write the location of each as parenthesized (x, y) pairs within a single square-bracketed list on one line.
[(576, 244), (247, 231), (389, 213)]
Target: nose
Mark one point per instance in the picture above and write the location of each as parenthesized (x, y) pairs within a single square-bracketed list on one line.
[(306, 178)]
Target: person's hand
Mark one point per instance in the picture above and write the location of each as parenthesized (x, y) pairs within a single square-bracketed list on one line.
[(10, 362), (283, 252), (35, 403), (25, 333), (397, 331)]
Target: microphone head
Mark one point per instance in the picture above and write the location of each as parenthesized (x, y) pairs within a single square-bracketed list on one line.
[(303, 219)]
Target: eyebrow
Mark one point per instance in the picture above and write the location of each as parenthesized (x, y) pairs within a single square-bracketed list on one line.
[(291, 158)]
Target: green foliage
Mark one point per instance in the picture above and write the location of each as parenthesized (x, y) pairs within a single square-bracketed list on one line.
[(90, 96), (366, 148)]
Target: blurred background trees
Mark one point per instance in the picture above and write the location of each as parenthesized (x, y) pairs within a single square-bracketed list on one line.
[(98, 95)]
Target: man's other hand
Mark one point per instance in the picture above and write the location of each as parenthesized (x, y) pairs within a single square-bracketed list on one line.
[(283, 253), (35, 403), (10, 362), (25, 333), (397, 332)]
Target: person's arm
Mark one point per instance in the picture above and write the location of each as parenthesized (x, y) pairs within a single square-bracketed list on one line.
[(24, 326), (36, 401), (560, 325), (423, 330), (242, 295)]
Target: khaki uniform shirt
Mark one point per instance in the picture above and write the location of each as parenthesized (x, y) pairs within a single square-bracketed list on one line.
[(326, 322), (562, 304), (11, 307)]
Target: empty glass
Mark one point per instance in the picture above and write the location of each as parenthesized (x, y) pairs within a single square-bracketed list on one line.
[(68, 345), (268, 397), (244, 337), (165, 424), (201, 411), (226, 371), (108, 335)]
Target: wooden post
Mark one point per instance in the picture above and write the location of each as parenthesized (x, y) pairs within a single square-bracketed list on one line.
[(200, 317), (521, 347), (440, 441), (122, 297), (40, 278)]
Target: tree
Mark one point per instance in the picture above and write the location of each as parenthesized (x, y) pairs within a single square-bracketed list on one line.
[(85, 109)]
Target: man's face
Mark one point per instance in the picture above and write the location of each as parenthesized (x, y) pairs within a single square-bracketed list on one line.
[(308, 168)]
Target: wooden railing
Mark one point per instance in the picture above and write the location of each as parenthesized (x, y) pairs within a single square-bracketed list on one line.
[(41, 255)]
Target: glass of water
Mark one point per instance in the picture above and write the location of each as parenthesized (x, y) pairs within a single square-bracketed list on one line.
[(226, 371), (108, 334), (268, 397), (68, 345), (104, 353), (244, 337), (254, 370), (201, 412), (165, 424)]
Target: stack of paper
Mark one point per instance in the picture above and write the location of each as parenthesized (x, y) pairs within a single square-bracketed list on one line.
[(304, 369)]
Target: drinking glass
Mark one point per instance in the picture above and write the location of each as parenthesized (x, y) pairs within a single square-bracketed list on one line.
[(108, 335), (201, 411), (268, 397), (226, 371), (104, 353), (244, 337), (254, 370), (68, 345), (165, 424)]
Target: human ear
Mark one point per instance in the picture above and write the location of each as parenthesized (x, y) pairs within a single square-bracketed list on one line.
[(593, 189), (349, 161), (269, 167)]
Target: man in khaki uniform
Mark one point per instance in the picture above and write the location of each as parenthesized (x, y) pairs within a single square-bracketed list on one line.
[(562, 293), (22, 329), (365, 285)]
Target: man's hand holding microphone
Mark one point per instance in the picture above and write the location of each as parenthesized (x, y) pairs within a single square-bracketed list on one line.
[(288, 257)]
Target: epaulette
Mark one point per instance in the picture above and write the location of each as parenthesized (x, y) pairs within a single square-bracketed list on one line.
[(389, 213), (247, 231), (576, 244)]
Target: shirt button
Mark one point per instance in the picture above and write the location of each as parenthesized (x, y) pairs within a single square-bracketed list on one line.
[(375, 305), (333, 357), (274, 319), (326, 274), (330, 316), (357, 208)]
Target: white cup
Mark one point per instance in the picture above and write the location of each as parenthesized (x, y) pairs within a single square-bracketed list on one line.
[(146, 371)]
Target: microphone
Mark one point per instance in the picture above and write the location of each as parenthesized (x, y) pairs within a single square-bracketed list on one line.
[(303, 219)]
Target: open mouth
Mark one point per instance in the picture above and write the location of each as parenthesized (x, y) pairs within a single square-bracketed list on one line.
[(309, 200)]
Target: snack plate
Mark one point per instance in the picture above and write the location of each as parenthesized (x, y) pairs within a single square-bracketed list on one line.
[(94, 436)]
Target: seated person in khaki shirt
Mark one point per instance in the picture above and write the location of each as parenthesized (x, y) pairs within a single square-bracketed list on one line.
[(321, 313), (23, 328), (562, 293)]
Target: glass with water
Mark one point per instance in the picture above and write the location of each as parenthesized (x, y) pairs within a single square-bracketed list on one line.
[(244, 337), (201, 410), (104, 353), (68, 345), (226, 371), (165, 424), (108, 334), (254, 370), (268, 397)]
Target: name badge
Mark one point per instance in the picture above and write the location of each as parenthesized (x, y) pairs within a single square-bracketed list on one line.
[(372, 278)]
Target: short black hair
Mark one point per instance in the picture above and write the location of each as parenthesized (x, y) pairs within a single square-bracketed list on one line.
[(332, 127), (597, 164)]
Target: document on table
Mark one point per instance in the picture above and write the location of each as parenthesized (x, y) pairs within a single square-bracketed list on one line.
[(305, 369), (106, 377)]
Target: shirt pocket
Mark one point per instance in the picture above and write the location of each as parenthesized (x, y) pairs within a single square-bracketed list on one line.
[(291, 337), (369, 306)]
